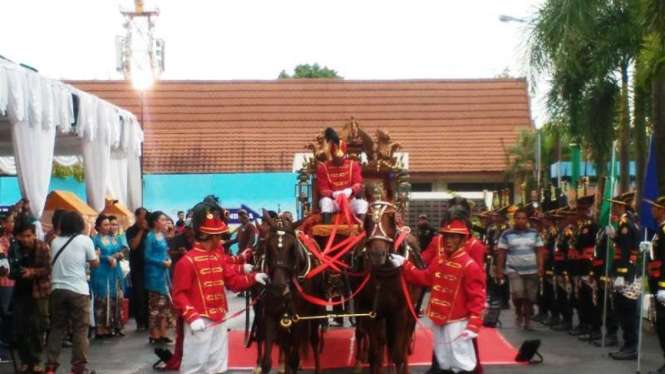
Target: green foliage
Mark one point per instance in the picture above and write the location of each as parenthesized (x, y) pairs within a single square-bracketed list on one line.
[(62, 172), (309, 71)]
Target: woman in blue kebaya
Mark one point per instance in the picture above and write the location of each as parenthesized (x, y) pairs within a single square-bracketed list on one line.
[(157, 281), (107, 281)]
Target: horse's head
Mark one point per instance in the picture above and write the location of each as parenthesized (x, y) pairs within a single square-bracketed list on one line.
[(284, 257), (381, 228)]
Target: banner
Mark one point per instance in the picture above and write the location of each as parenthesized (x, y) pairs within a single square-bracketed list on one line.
[(650, 192)]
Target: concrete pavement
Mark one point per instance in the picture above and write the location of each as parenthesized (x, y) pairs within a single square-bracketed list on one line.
[(563, 354)]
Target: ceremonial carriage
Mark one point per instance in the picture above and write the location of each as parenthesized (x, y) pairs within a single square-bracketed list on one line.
[(315, 264)]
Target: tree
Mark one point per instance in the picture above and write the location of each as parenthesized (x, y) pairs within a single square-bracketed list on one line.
[(309, 71), (585, 45)]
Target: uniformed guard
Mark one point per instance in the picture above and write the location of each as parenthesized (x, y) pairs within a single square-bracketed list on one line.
[(548, 285), (604, 281), (457, 301), (199, 296), (561, 271), (339, 176), (501, 292), (627, 281), (656, 252), (584, 243)]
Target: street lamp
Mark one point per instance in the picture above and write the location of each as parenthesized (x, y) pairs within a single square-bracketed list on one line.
[(504, 18)]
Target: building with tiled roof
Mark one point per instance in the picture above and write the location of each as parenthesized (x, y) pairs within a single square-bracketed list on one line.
[(455, 131)]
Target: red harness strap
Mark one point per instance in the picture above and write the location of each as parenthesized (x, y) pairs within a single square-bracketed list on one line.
[(336, 257), (321, 302), (312, 248)]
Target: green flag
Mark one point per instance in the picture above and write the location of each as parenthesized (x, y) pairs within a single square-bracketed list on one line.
[(604, 218), (576, 158)]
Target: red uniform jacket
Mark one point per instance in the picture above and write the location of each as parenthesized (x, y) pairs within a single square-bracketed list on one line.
[(199, 281), (331, 178), (458, 289), (474, 247)]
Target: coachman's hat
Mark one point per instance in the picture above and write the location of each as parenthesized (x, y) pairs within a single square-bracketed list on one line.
[(213, 225), (659, 203), (456, 226)]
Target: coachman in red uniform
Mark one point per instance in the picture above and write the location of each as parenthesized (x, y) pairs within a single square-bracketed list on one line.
[(457, 300), (199, 283), (339, 176)]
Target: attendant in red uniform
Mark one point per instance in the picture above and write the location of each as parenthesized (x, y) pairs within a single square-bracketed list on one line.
[(457, 301), (199, 296), (474, 247), (339, 176)]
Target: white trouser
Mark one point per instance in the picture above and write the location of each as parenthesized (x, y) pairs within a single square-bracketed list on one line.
[(357, 206), (207, 351), (456, 355)]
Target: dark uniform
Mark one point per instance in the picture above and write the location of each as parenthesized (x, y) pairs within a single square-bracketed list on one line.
[(585, 285), (500, 292), (548, 292), (626, 250), (598, 271), (425, 235), (562, 277), (657, 276)]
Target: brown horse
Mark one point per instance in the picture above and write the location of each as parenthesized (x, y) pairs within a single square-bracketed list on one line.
[(286, 261), (394, 325)]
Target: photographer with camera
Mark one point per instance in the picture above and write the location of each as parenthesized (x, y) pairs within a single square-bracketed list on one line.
[(30, 264)]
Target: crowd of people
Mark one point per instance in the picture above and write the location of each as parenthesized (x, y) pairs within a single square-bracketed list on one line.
[(579, 275), (70, 287)]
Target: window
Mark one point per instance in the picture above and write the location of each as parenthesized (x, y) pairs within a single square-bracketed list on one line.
[(421, 187)]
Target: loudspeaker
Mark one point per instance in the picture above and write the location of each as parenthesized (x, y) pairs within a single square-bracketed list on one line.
[(492, 317), (528, 350)]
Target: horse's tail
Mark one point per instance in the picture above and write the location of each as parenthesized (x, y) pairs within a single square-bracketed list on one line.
[(303, 342)]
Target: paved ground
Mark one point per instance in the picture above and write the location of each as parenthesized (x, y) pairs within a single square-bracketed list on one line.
[(562, 353)]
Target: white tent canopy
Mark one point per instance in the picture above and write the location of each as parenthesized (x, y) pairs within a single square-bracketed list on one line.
[(42, 119)]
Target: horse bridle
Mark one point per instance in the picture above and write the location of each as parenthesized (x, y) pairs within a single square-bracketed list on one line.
[(281, 232), (378, 232)]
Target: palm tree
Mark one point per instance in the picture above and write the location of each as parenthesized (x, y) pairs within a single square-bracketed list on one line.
[(652, 75)]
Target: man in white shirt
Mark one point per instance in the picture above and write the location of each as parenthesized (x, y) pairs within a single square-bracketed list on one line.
[(70, 294)]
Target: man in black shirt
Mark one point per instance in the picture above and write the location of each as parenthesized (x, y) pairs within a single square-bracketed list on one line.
[(425, 232), (181, 243), (135, 238)]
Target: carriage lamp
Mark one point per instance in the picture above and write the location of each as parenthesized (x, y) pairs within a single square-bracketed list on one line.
[(303, 195), (404, 192)]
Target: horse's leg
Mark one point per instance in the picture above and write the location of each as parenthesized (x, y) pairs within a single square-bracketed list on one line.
[(361, 346), (315, 342), (377, 345), (270, 338), (260, 338), (398, 340)]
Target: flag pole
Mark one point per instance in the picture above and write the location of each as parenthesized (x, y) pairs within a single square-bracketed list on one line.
[(641, 306), (607, 247)]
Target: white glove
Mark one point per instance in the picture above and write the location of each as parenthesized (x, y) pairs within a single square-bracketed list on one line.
[(261, 278), (619, 282), (609, 230), (660, 296), (645, 247), (197, 325), (347, 192), (335, 194), (467, 335), (397, 260), (247, 268)]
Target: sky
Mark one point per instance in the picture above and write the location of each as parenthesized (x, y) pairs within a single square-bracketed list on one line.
[(256, 39)]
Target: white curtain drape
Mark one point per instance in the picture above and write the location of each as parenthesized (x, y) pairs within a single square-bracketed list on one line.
[(33, 133), (8, 164), (134, 179), (117, 181), (94, 129)]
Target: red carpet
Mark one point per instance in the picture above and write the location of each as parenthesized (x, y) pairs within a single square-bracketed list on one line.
[(339, 350)]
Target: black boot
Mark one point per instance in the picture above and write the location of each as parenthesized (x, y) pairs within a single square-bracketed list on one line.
[(326, 218), (625, 354), (610, 341), (552, 321), (562, 327), (594, 335), (434, 369)]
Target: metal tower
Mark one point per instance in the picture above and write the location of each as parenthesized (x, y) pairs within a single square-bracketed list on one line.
[(140, 56)]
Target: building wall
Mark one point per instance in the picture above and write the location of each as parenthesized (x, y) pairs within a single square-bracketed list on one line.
[(171, 193)]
